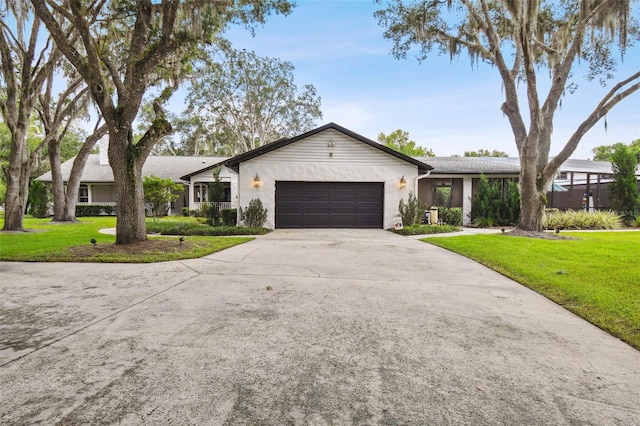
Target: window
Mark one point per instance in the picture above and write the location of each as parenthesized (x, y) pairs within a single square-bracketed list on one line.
[(201, 192), (83, 194)]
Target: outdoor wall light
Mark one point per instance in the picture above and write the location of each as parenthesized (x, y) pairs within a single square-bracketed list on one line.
[(256, 181), (331, 143), (403, 183)]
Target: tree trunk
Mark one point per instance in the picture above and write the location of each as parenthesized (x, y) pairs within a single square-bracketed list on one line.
[(75, 177), (532, 197), (57, 180), (17, 186), (127, 177)]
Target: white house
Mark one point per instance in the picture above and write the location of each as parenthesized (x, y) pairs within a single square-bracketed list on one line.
[(333, 177), (328, 177)]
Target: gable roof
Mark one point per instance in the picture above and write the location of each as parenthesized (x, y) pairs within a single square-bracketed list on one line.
[(156, 165), (234, 162)]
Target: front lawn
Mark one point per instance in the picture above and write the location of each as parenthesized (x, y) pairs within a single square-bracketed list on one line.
[(49, 242), (596, 275)]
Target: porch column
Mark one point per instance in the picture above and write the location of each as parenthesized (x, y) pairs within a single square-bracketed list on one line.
[(466, 200), (190, 196), (89, 193)]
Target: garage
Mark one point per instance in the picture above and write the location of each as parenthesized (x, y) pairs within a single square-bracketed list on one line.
[(329, 204)]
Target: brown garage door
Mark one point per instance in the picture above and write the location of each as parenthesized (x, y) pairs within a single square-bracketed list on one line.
[(329, 204)]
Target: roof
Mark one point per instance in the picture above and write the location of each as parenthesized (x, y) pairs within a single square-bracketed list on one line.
[(470, 165), (507, 165), (234, 163), (156, 165)]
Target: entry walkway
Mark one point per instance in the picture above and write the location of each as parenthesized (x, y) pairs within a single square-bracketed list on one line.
[(302, 327)]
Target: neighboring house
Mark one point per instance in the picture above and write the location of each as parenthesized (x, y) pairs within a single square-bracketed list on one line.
[(333, 177), (97, 186)]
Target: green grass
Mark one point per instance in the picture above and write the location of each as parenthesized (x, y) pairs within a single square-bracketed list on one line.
[(48, 242), (596, 275)]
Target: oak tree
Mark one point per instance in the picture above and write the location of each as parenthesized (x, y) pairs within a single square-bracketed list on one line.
[(131, 48), (246, 101), (526, 42), (398, 140)]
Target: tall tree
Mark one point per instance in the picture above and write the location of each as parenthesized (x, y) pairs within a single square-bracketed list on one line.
[(623, 191), (127, 48), (526, 41), (398, 140), (605, 152), (27, 58), (485, 153), (247, 101)]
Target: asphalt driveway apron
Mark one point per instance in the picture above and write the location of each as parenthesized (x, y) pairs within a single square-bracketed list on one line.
[(302, 327)]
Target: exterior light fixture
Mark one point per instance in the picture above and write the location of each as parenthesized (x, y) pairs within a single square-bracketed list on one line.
[(256, 181), (403, 183), (331, 143)]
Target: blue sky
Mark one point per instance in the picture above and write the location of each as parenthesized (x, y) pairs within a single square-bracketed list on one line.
[(445, 105)]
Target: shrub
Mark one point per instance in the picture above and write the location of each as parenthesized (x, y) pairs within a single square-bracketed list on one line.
[(623, 191), (411, 211), (190, 228), (93, 210), (38, 199), (426, 229), (450, 216), (580, 219), (255, 215), (229, 217), (211, 211), (510, 212), (493, 205)]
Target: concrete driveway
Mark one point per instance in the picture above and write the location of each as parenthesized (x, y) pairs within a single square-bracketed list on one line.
[(359, 327)]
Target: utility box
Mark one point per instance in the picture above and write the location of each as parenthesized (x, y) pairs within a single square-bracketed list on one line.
[(433, 216)]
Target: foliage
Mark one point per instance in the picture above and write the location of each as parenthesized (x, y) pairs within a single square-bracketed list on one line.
[(131, 49), (426, 229), (159, 192), (493, 205), (399, 141), (485, 153), (530, 44), (255, 215), (94, 210), (580, 219), (212, 211), (485, 206), (38, 199), (229, 217), (245, 102), (605, 152), (188, 228), (411, 211), (450, 215), (510, 211), (594, 275), (442, 196), (71, 242), (623, 191)]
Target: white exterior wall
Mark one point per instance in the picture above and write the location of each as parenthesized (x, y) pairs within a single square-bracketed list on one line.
[(226, 175), (313, 160)]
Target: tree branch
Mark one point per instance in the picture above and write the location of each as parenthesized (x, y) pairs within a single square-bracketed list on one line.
[(608, 101)]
